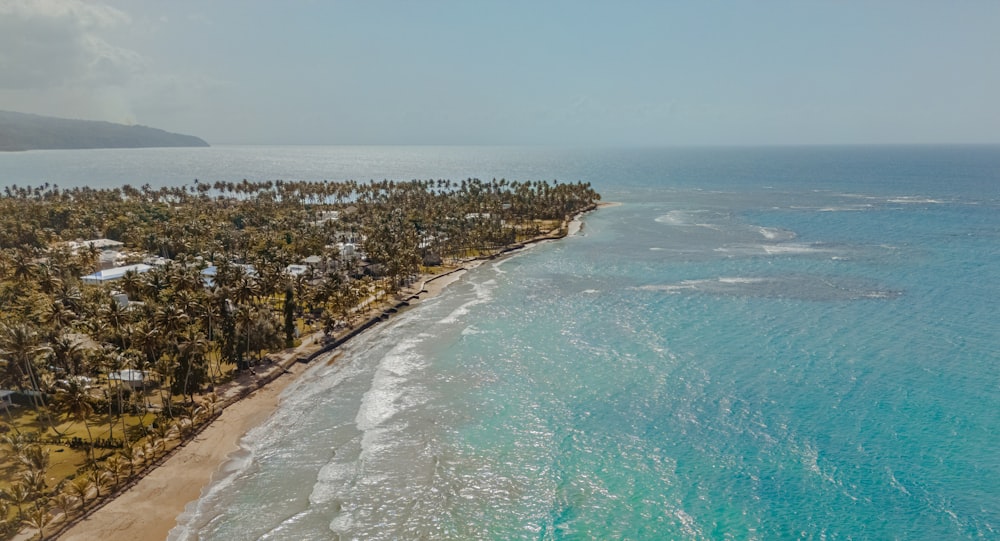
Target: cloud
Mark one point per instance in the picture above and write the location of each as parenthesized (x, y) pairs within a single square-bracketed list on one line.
[(57, 49)]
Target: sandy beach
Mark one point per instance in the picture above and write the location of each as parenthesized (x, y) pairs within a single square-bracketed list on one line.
[(149, 509)]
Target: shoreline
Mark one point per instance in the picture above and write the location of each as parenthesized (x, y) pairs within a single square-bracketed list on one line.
[(149, 507)]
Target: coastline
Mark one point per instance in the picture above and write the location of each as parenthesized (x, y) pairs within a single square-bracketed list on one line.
[(149, 508)]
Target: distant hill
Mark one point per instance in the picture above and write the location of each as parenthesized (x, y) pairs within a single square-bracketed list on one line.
[(20, 131)]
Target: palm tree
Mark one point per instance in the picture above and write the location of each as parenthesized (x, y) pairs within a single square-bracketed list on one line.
[(116, 361), (245, 289), (150, 340), (80, 487), (115, 467), (19, 494), (24, 266), (48, 279), (261, 329), (56, 315), (6, 525), (209, 320), (38, 518), (132, 454), (191, 368), (65, 503), (119, 362), (117, 316), (211, 403), (34, 480), (165, 368), (154, 445), (73, 398), (170, 318), (244, 320), (67, 354), (132, 285), (228, 338), (34, 458), (289, 311), (20, 343), (71, 297), (190, 420), (98, 478), (17, 443)]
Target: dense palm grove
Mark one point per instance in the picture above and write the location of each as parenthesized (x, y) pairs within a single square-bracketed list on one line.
[(61, 339)]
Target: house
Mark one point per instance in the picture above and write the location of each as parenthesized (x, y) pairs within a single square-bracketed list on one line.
[(317, 263), (327, 216), (102, 245), (28, 398), (208, 275), (132, 378), (110, 259), (114, 273), (347, 249)]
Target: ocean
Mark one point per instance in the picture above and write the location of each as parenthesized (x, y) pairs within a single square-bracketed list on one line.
[(758, 343)]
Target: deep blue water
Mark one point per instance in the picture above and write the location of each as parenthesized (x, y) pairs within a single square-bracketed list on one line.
[(759, 343)]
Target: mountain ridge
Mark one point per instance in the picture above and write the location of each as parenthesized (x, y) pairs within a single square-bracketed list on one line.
[(25, 131)]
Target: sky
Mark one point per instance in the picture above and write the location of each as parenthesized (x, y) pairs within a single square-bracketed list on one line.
[(542, 72)]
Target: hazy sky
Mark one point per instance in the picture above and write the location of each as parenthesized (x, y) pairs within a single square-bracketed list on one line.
[(513, 72)]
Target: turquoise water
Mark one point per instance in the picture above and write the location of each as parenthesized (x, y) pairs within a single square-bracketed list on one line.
[(762, 343)]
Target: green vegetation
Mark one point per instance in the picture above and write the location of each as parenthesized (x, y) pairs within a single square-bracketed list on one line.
[(80, 429)]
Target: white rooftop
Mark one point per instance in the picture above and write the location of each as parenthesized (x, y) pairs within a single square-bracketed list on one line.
[(100, 244), (115, 273), (128, 375)]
